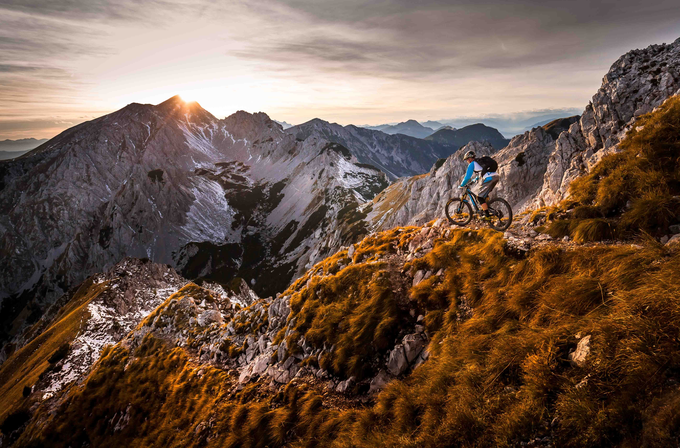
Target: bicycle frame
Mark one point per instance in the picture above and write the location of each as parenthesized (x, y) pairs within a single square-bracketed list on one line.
[(473, 199)]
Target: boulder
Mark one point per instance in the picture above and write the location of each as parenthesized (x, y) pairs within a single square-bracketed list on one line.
[(413, 344), (210, 316), (578, 356), (344, 386), (379, 382), (397, 363), (675, 239), (420, 275), (260, 365)]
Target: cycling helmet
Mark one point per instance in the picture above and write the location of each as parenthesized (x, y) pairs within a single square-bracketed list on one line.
[(468, 155)]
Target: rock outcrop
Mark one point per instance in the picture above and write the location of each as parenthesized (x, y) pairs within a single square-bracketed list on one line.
[(636, 83)]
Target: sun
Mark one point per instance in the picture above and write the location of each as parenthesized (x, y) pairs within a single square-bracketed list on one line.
[(187, 97)]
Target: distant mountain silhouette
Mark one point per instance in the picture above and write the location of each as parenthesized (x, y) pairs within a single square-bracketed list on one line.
[(21, 146), (475, 132), (410, 127)]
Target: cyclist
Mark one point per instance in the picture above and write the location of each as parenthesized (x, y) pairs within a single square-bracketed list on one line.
[(488, 178)]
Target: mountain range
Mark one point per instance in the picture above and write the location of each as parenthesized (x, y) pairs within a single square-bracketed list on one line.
[(10, 149), (139, 248)]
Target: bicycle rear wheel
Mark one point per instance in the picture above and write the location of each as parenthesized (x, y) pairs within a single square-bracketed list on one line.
[(501, 214), (458, 212)]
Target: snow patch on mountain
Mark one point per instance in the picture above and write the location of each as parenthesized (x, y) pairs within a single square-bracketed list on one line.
[(210, 216)]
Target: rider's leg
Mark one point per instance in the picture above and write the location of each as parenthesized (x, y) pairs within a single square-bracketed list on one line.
[(488, 185), (484, 205)]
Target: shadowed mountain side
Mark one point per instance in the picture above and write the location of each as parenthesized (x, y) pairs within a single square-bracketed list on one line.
[(472, 133), (410, 127)]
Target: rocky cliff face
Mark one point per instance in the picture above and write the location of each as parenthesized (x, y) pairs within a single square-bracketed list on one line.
[(397, 155), (174, 184), (636, 83)]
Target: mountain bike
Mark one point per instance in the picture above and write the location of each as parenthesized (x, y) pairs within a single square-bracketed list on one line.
[(459, 211)]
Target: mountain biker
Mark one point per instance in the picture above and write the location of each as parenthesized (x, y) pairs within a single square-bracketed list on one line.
[(488, 178)]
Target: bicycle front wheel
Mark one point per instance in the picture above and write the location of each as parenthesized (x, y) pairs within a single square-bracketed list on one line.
[(501, 214), (458, 212)]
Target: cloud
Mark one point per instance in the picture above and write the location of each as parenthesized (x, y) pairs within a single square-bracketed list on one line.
[(351, 60), (424, 38)]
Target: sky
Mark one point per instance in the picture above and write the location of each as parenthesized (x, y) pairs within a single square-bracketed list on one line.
[(63, 62)]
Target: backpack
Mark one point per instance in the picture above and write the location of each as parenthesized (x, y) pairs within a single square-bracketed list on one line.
[(488, 164)]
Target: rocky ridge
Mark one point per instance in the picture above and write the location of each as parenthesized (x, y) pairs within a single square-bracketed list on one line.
[(172, 183), (636, 83)]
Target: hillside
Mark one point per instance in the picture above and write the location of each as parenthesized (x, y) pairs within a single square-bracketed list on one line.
[(472, 133), (415, 336)]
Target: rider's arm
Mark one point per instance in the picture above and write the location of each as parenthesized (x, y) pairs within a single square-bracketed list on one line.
[(468, 174)]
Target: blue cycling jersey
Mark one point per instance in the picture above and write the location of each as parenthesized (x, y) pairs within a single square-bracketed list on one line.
[(474, 167)]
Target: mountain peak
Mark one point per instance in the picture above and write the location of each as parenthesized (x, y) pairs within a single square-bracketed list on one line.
[(174, 100)]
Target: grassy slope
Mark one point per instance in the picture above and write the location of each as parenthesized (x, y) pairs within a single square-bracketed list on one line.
[(500, 377), (23, 368)]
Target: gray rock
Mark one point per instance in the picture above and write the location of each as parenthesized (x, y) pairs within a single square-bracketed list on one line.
[(379, 382), (397, 363), (350, 251), (209, 317), (289, 362), (675, 239), (664, 239), (420, 275), (345, 386), (413, 344), (422, 357), (636, 83), (282, 351), (578, 357), (675, 228), (260, 365)]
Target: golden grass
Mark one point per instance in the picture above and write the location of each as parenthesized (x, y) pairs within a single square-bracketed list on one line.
[(497, 376), (636, 190)]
